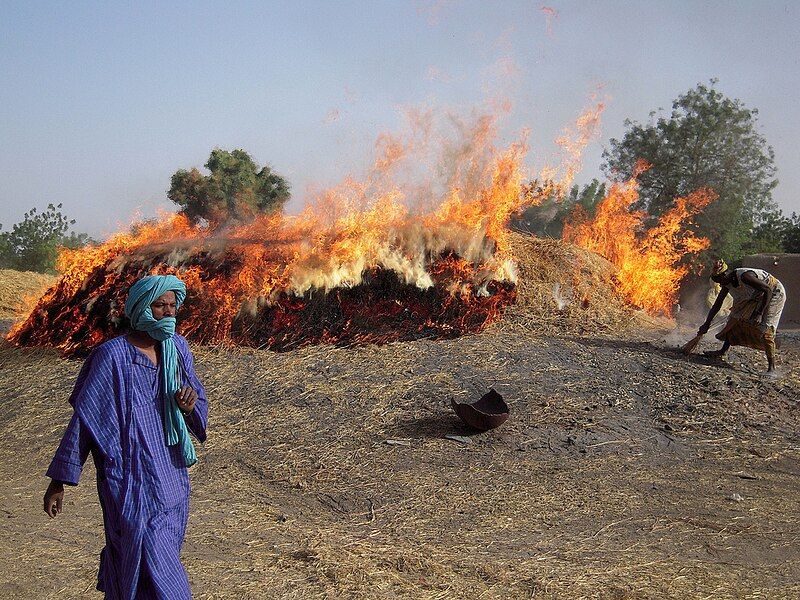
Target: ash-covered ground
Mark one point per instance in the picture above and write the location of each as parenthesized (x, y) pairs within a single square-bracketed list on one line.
[(625, 471)]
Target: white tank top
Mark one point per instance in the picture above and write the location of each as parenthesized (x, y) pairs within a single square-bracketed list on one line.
[(760, 274)]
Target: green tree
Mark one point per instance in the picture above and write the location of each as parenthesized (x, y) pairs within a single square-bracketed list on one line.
[(708, 140), (76, 240), (235, 190), (33, 243), (791, 234), (6, 252), (547, 218), (769, 235)]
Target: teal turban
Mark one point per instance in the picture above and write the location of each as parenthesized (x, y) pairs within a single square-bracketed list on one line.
[(137, 308)]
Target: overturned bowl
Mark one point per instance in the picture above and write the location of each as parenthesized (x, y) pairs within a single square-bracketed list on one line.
[(487, 413)]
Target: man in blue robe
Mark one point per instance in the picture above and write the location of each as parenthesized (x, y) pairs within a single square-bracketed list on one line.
[(135, 401)]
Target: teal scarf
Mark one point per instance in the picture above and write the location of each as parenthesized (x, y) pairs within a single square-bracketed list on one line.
[(137, 308)]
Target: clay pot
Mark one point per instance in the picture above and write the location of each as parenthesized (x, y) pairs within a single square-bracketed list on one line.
[(487, 413)]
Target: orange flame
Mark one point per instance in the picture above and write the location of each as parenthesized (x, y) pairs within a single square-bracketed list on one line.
[(649, 260)]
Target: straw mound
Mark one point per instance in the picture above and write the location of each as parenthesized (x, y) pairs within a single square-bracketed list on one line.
[(563, 288), (19, 290)]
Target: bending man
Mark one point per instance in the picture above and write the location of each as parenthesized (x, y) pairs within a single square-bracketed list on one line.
[(135, 401), (758, 303)]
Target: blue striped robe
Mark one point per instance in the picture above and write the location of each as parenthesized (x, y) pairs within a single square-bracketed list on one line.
[(143, 484)]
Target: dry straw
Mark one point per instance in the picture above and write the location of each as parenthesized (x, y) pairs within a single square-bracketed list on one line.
[(19, 290)]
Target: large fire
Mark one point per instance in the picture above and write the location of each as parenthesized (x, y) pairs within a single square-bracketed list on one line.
[(364, 263), (649, 260), (371, 260)]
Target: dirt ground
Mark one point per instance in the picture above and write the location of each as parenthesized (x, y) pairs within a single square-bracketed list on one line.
[(625, 471)]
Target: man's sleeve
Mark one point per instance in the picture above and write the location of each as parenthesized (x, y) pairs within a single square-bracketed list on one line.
[(72, 452), (74, 448)]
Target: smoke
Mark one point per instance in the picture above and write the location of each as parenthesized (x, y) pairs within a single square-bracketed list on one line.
[(563, 298), (550, 15), (692, 312)]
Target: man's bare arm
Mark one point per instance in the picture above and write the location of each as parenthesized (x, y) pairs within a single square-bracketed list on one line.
[(754, 282), (723, 293)]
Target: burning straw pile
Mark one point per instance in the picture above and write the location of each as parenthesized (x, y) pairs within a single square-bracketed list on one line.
[(377, 261), (235, 299), (273, 284), (560, 288)]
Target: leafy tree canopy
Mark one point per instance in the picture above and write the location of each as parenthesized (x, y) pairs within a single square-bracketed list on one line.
[(33, 243), (708, 140), (235, 190), (777, 234)]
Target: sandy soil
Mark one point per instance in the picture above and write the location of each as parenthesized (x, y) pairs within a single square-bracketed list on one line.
[(625, 471)]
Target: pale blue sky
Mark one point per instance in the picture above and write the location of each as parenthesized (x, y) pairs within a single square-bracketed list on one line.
[(101, 102)]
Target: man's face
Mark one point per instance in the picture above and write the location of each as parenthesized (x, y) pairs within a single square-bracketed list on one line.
[(164, 306)]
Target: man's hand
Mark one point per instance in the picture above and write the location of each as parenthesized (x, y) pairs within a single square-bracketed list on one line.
[(53, 498), (703, 329), (186, 398)]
